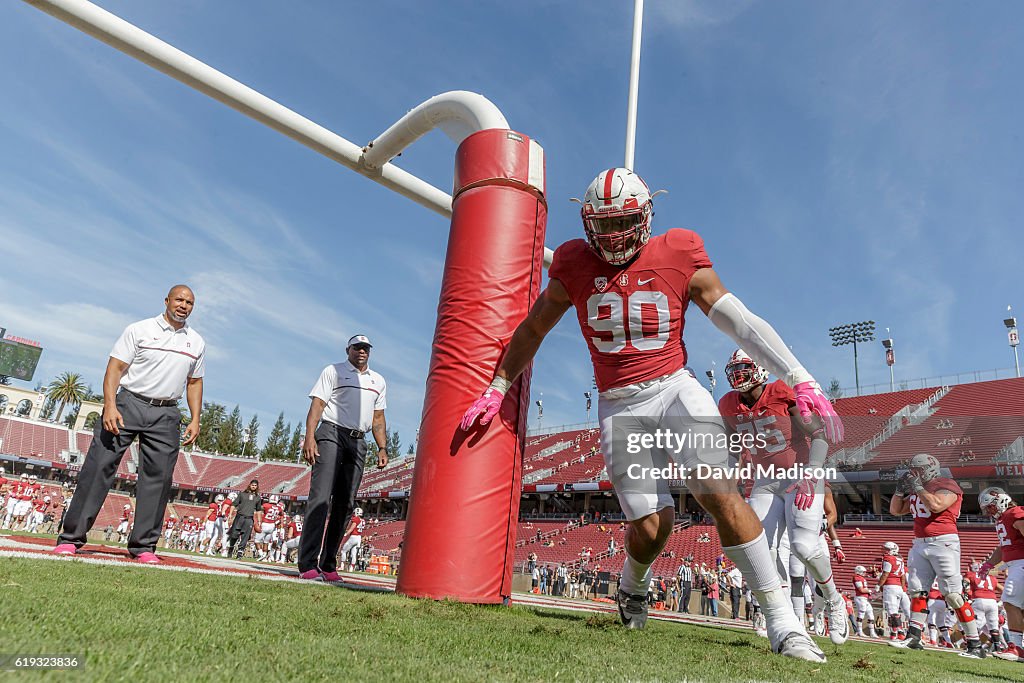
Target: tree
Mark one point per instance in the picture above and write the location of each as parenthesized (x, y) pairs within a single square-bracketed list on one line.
[(277, 441), (230, 438), (211, 420), (90, 422), (72, 417), (252, 445), (834, 390), (411, 451), (394, 444), (49, 406), (67, 389), (295, 445)]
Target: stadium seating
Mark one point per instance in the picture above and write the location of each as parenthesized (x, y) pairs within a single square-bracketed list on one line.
[(971, 420), (32, 439)]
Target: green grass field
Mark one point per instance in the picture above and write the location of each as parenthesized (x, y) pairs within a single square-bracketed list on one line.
[(134, 623)]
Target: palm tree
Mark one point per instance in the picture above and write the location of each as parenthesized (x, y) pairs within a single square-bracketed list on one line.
[(68, 388)]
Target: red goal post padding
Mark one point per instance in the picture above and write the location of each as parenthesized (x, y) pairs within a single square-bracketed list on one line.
[(464, 502)]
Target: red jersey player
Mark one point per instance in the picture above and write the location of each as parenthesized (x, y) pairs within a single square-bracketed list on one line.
[(353, 539), (790, 509), (630, 292), (982, 591), (934, 502), (1009, 518), (892, 584), (862, 602)]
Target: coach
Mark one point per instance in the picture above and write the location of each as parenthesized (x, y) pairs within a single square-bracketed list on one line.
[(154, 362), (346, 402)]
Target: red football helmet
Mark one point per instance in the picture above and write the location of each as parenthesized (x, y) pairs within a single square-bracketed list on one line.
[(617, 210), (743, 373)]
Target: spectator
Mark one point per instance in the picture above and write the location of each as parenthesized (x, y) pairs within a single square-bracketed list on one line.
[(713, 589), (735, 579), (152, 364)]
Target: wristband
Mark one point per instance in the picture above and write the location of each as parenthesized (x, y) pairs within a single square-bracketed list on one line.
[(501, 384), (836, 543)]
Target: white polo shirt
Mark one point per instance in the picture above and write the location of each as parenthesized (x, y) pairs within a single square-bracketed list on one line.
[(160, 358), (351, 396)]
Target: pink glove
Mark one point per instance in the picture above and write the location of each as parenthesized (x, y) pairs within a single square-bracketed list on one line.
[(485, 407), (810, 401), (804, 493), (986, 568), (840, 556)]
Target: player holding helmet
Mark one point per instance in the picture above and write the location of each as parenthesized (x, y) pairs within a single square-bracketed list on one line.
[(1009, 517), (934, 502), (790, 509), (892, 584), (630, 292)]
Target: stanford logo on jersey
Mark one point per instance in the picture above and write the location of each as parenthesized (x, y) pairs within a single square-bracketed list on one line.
[(601, 283), (624, 280)]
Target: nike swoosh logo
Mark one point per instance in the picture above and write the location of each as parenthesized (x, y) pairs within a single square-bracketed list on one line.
[(644, 282)]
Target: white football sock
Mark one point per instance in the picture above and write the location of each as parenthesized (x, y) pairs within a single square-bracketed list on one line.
[(636, 577), (754, 560)]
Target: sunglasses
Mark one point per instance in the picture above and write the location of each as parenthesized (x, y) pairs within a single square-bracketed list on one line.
[(361, 347)]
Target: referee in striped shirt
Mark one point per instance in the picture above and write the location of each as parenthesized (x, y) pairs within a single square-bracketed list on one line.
[(685, 575)]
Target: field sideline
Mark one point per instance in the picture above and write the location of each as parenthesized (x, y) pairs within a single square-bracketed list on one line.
[(133, 623)]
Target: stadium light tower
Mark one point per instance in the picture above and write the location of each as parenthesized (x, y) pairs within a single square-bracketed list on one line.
[(853, 333), (587, 395), (540, 412), (1011, 332), (711, 379), (890, 357)]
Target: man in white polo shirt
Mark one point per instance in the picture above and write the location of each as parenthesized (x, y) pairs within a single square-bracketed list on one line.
[(346, 402), (153, 363)]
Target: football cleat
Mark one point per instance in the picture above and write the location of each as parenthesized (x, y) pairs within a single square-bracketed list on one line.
[(632, 609), (911, 643), (1011, 654), (800, 646), (975, 651), (839, 625)]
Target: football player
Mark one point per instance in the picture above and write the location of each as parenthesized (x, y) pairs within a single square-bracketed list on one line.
[(1009, 517), (209, 522), (934, 502), (354, 538), (862, 603), (124, 523), (630, 292), (293, 532), (982, 591), (794, 509), (273, 512), (892, 584)]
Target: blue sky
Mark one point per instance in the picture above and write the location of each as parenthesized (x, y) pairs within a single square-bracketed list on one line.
[(842, 162)]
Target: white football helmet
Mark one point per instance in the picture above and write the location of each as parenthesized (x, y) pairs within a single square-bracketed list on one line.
[(860, 570), (46, 499), (994, 501), (925, 466), (617, 210), (297, 519), (274, 500), (233, 496), (127, 506), (24, 475), (891, 548), (358, 512), (743, 373), (219, 498), (2, 471)]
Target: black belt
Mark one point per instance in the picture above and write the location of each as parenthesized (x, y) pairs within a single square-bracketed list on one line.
[(158, 402), (354, 433)]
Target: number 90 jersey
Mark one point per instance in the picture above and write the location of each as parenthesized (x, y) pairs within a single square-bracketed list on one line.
[(767, 424), (632, 316)]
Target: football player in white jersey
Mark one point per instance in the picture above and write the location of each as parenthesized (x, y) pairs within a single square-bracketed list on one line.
[(892, 584)]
